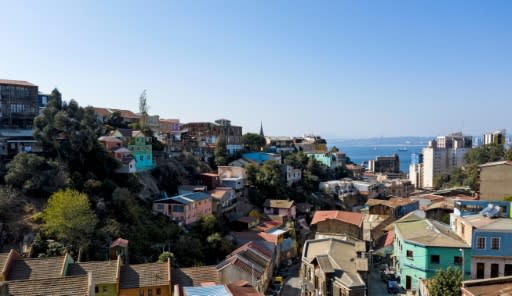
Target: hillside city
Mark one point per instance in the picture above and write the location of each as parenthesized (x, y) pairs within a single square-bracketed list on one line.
[(99, 200)]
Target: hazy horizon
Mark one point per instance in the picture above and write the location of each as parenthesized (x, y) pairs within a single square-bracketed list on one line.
[(358, 69)]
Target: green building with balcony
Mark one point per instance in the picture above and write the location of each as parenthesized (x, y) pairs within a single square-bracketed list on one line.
[(141, 151), (423, 246)]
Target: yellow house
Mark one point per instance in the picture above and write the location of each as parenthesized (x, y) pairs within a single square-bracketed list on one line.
[(149, 279), (105, 275)]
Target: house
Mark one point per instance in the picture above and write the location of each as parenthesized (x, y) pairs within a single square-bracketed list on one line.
[(186, 208), (245, 223), (149, 279), (329, 159), (440, 210), (252, 262), (279, 207), (242, 288), (337, 223), (211, 180), (14, 141), (224, 201), (422, 246), (280, 144), (82, 285), (495, 180), (233, 177), (119, 248), (491, 243), (114, 145), (141, 151), (217, 290), (195, 276), (334, 266), (490, 287), (20, 268), (396, 207), (105, 275), (464, 208), (354, 170), (19, 102), (291, 175)]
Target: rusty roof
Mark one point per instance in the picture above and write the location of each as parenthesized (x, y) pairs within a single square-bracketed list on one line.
[(279, 203), (36, 268), (145, 275), (63, 286), (353, 218), (195, 276), (17, 82)]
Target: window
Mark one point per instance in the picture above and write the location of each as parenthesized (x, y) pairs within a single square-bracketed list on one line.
[(409, 254), (495, 243), (141, 157), (150, 292), (434, 259), (96, 289), (462, 229), (104, 289), (158, 292), (508, 269), (141, 292), (480, 242), (457, 260), (495, 270)]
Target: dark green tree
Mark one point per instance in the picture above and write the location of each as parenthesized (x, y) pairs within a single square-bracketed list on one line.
[(446, 282), (253, 142), (221, 151), (115, 120), (33, 174)]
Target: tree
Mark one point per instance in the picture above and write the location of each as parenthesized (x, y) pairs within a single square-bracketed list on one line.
[(143, 109), (221, 151), (33, 174), (446, 282), (253, 142), (165, 256), (69, 217), (115, 120)]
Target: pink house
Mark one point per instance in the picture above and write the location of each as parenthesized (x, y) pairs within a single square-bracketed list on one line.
[(186, 208), (280, 207)]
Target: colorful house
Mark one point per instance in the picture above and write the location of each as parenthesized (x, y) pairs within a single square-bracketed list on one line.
[(150, 279), (104, 273), (186, 208), (280, 207), (491, 244), (423, 246), (141, 151)]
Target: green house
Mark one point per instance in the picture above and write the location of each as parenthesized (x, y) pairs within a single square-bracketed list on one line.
[(141, 151), (423, 246)]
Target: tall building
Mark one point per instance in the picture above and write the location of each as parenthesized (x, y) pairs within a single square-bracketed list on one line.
[(442, 155), (19, 103), (497, 137), (385, 164)]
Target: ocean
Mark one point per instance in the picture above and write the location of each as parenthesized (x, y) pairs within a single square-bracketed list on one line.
[(362, 153)]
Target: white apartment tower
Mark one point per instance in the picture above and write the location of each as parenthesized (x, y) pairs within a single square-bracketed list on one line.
[(497, 137), (442, 155)]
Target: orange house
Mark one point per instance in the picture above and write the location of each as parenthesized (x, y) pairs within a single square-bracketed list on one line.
[(149, 279)]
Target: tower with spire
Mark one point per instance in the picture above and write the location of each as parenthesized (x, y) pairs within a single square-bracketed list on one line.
[(261, 129)]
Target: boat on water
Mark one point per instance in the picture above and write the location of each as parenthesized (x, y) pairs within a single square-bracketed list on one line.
[(402, 149)]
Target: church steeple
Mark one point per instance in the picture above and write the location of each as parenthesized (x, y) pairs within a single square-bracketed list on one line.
[(261, 129)]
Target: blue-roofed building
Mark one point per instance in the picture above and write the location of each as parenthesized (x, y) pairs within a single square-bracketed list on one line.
[(185, 208), (217, 290), (261, 157)]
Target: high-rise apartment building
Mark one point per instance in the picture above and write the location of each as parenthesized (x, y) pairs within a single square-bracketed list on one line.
[(442, 155), (497, 137)]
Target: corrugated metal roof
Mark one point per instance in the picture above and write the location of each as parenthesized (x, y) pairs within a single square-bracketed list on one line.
[(219, 290)]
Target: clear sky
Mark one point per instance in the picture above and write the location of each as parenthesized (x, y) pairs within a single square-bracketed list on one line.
[(338, 69)]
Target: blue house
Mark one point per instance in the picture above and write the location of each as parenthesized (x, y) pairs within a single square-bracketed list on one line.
[(491, 244)]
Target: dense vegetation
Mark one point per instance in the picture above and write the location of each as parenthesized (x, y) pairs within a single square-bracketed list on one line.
[(446, 282)]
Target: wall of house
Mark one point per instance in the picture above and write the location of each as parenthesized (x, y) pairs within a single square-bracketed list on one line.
[(466, 232), (105, 290), (142, 153), (495, 182), (505, 248), (164, 291), (194, 211), (339, 227)]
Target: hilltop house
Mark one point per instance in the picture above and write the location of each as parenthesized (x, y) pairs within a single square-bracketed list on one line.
[(337, 223), (186, 208), (279, 207), (141, 151)]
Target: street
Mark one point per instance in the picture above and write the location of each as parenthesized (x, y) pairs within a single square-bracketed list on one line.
[(292, 282)]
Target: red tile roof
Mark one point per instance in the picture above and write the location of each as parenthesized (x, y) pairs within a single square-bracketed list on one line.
[(348, 217), (123, 243)]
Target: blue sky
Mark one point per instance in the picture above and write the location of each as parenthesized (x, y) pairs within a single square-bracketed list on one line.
[(335, 68)]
